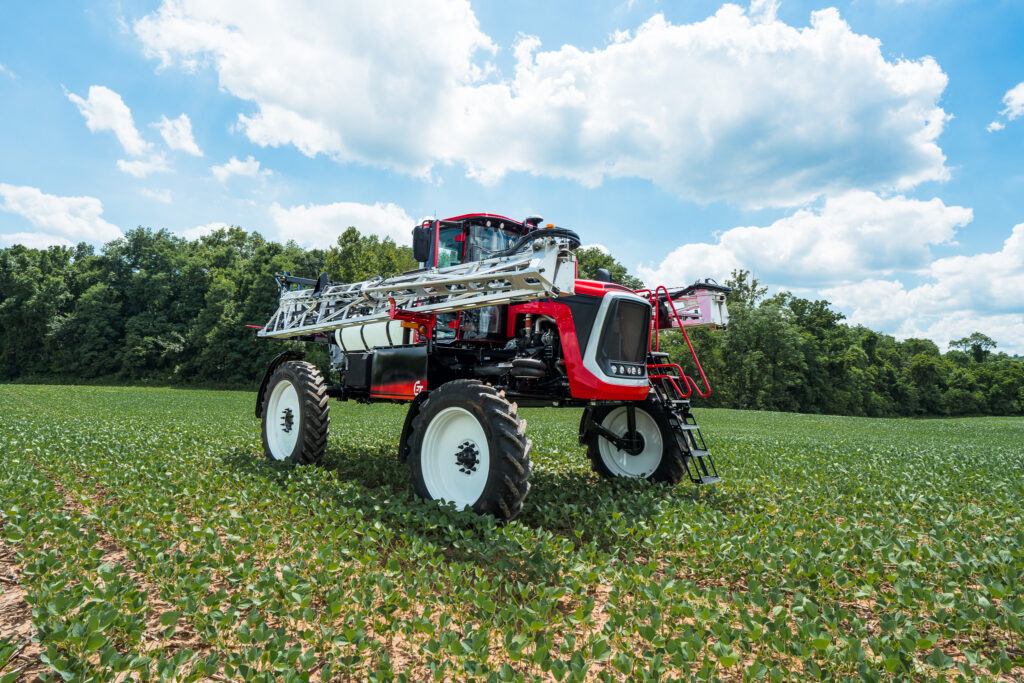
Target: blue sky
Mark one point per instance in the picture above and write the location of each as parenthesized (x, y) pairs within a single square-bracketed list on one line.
[(868, 151)]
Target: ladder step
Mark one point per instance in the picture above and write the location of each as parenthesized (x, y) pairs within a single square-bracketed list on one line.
[(689, 427), (699, 452), (709, 480)]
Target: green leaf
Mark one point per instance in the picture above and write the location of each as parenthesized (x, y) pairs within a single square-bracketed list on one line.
[(939, 660), (601, 649)]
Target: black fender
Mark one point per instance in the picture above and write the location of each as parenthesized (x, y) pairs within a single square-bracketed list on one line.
[(414, 410), (283, 357), (585, 425)]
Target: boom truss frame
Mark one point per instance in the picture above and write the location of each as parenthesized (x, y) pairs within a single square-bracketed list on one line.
[(544, 269)]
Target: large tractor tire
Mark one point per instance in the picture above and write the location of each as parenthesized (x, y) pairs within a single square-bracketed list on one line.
[(659, 457), (295, 414), (468, 446)]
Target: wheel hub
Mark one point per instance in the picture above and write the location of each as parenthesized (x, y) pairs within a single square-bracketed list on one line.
[(467, 457), (287, 420), (634, 443)]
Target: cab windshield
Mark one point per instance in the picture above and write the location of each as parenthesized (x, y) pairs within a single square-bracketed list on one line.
[(485, 241)]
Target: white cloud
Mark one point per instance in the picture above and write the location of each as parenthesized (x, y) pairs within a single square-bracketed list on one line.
[(1014, 101), (855, 251), (250, 168), (163, 196), (319, 225), (203, 230), (358, 82), (140, 168), (35, 240), (105, 110), (177, 133), (740, 106), (600, 247), (961, 294), (853, 236), (5, 70), (59, 220)]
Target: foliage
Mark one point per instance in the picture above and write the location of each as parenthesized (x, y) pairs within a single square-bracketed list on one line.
[(154, 307), (588, 260), (155, 542)]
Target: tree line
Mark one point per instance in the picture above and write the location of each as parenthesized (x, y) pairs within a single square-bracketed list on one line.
[(153, 307), (787, 353)]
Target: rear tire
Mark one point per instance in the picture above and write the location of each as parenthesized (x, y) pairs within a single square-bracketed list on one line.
[(660, 459), (296, 416), (468, 446)]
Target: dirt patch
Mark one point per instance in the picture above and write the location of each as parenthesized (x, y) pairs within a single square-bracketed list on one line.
[(16, 619), (114, 554)]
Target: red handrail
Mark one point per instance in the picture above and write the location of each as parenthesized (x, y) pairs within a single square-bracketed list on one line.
[(671, 378), (652, 297)]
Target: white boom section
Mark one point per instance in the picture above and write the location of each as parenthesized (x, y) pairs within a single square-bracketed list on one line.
[(545, 268)]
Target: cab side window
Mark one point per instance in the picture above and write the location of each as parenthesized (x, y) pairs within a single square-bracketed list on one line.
[(449, 251)]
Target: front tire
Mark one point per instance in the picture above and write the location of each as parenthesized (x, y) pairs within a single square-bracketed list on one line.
[(468, 446), (296, 416), (660, 458)]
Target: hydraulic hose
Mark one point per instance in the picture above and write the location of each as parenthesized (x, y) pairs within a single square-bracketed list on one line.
[(574, 239)]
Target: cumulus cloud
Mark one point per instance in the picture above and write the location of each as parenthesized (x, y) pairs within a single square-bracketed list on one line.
[(359, 82), (140, 168), (1014, 101), (960, 294), (852, 236), (739, 106), (177, 133), (203, 230), (250, 168), (319, 225), (104, 109), (58, 220)]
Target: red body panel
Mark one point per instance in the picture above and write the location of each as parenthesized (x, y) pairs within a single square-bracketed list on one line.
[(399, 390), (582, 383), (598, 288), (483, 215)]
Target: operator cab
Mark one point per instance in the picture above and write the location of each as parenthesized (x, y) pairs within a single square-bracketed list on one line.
[(467, 238)]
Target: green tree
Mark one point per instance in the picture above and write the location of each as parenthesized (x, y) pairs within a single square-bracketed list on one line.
[(355, 257), (746, 290), (977, 344), (589, 259)]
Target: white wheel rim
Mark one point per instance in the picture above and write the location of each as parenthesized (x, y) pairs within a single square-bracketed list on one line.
[(455, 458), (621, 463), (282, 420)]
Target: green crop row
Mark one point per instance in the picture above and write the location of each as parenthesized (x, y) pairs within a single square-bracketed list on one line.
[(154, 540)]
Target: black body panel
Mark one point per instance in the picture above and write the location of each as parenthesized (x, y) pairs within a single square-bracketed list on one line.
[(399, 372), (584, 312)]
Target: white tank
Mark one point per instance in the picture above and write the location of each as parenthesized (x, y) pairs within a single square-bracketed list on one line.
[(372, 335)]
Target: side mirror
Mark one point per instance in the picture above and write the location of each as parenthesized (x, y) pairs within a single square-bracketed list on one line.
[(422, 238), (603, 275)]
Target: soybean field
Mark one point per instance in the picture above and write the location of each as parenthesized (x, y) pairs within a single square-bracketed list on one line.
[(143, 536)]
